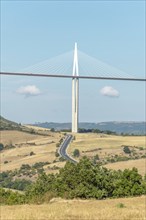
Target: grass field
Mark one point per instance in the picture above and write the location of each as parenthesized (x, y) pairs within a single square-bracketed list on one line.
[(92, 140), (139, 164), (109, 146), (43, 147), (58, 209)]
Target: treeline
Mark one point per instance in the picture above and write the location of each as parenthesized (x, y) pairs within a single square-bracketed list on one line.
[(7, 180), (98, 131), (83, 180), (85, 130), (109, 132)]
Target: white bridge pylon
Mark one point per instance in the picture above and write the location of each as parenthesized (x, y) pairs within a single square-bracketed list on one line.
[(75, 92)]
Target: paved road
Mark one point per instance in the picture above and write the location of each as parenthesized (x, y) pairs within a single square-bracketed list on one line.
[(64, 146)]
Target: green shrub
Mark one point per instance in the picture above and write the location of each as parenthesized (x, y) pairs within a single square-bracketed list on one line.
[(25, 167), (96, 157), (126, 150), (32, 153), (56, 154), (76, 153), (1, 146), (61, 159), (58, 145), (11, 198), (120, 205)]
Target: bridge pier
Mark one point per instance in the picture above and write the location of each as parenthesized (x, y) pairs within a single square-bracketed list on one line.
[(75, 93), (75, 105)]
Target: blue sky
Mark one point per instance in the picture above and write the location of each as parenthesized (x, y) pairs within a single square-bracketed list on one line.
[(33, 31)]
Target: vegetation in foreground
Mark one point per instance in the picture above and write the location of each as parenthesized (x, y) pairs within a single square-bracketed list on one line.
[(84, 180)]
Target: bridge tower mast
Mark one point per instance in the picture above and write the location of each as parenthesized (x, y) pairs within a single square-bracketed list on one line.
[(75, 92)]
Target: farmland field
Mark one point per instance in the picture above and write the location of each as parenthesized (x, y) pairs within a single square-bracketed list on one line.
[(111, 146), (43, 148)]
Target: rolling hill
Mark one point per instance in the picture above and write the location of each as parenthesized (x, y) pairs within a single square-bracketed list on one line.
[(6, 124)]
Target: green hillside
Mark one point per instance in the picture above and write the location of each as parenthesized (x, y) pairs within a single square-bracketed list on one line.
[(6, 124), (9, 125)]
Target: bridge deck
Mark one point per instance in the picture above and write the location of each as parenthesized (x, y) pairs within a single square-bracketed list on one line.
[(69, 76)]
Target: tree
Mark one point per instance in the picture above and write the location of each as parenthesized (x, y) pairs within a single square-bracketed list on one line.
[(76, 153)]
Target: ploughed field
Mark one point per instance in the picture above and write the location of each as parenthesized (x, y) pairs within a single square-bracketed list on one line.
[(59, 209), (109, 150)]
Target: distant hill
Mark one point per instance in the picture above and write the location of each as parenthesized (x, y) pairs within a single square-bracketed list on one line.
[(138, 128)]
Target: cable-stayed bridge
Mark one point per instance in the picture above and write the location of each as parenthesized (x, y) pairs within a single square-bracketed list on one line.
[(75, 65)]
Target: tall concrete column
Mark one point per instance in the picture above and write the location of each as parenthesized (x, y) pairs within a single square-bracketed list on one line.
[(75, 93), (73, 105), (76, 105)]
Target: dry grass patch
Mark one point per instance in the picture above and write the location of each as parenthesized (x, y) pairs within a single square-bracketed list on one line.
[(49, 168), (17, 137), (58, 209), (90, 141), (37, 128), (110, 146), (43, 147), (139, 164)]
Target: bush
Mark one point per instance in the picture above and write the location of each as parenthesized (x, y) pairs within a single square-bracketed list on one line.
[(25, 167), (126, 150), (32, 153), (39, 165), (120, 205), (57, 145), (1, 146), (11, 198), (76, 153), (96, 157), (56, 154), (61, 159)]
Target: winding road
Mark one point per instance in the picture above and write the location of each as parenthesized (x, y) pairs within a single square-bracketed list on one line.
[(63, 147)]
